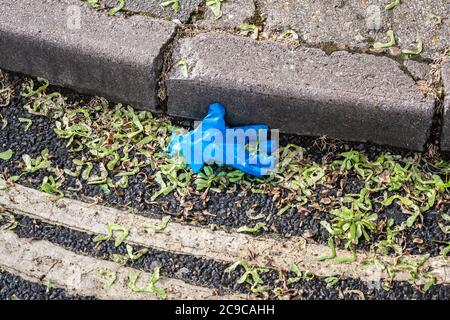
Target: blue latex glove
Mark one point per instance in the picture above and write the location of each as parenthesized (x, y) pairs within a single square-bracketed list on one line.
[(213, 142)]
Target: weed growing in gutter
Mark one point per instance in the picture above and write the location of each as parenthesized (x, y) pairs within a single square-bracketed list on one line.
[(110, 144), (151, 286), (113, 227), (391, 42), (251, 276), (392, 5)]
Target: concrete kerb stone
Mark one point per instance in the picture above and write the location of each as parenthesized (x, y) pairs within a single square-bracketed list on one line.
[(88, 51), (445, 136), (355, 97)]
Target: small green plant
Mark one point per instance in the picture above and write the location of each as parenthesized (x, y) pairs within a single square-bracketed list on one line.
[(28, 123), (112, 228), (131, 255), (49, 287), (251, 275), (392, 5), (357, 161), (207, 178), (351, 225), (6, 155), (49, 185), (40, 163), (254, 229), (110, 276), (215, 6), (5, 96), (313, 174), (161, 226), (184, 67), (444, 224), (389, 244), (135, 255), (151, 286), (92, 3), (416, 271), (120, 5), (446, 249), (416, 51), (31, 92), (331, 281), (391, 42), (40, 103), (177, 177), (289, 33), (299, 275), (332, 247), (249, 29), (7, 221), (174, 4)]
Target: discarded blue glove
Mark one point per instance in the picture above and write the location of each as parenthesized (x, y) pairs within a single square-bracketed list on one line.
[(245, 148)]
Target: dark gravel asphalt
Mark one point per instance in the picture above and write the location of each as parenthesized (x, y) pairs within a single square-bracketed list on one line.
[(211, 273), (228, 210), (14, 286)]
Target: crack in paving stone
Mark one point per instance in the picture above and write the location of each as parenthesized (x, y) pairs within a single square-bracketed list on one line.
[(211, 273), (13, 287)]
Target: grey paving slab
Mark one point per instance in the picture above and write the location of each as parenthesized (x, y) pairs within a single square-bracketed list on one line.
[(358, 23), (154, 8), (234, 12), (356, 97), (445, 137), (83, 49)]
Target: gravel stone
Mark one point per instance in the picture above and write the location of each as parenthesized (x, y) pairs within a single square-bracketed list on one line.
[(115, 57)]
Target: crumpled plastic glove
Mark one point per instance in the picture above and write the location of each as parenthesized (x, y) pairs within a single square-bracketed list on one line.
[(213, 142)]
